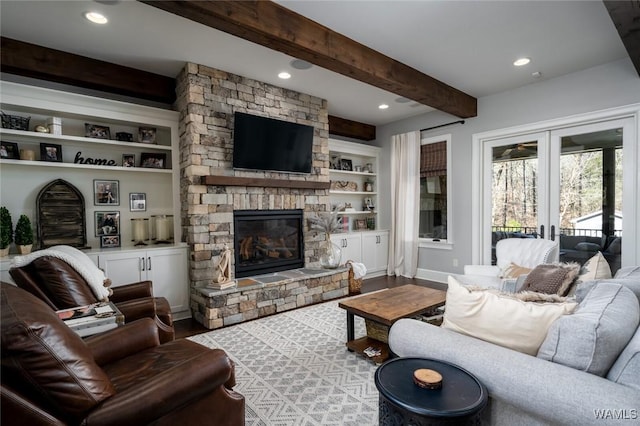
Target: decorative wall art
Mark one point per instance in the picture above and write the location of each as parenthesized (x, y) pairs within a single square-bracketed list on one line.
[(138, 202), (147, 135), (109, 241), (107, 223), (50, 152), (106, 193), (128, 160), (346, 164), (9, 150), (124, 137), (96, 131), (152, 160)]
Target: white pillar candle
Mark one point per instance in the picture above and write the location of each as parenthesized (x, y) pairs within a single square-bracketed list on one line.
[(164, 227), (140, 230)]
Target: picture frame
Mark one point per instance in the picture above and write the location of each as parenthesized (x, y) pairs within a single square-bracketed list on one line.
[(361, 224), (109, 241), (335, 162), (137, 202), (107, 223), (147, 135), (346, 165), (50, 152), (96, 131), (106, 192), (9, 150), (128, 160), (152, 160), (124, 137)]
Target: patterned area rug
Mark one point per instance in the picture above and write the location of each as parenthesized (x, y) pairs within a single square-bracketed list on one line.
[(293, 368)]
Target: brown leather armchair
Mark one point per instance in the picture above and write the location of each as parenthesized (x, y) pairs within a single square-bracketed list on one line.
[(59, 285), (50, 376)]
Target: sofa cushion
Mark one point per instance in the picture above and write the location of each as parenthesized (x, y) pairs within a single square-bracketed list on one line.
[(40, 351), (626, 369), (551, 279), (628, 272), (500, 318), (514, 271), (596, 268), (592, 338), (585, 246)]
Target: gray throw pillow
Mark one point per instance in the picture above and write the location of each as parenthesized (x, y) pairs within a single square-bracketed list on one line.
[(594, 335)]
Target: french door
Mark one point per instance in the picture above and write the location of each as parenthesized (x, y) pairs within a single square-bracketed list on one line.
[(572, 184)]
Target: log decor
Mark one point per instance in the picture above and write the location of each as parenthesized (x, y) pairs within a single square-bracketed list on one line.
[(351, 129), (626, 17), (427, 379), (276, 27), (263, 182)]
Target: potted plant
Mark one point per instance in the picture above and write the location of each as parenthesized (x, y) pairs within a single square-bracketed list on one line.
[(24, 234), (6, 231), (327, 223)]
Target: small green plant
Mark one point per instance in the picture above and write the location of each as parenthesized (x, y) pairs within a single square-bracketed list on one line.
[(24, 232), (6, 228)]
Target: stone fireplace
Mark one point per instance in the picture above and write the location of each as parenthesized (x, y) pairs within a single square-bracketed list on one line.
[(267, 241), (211, 190)]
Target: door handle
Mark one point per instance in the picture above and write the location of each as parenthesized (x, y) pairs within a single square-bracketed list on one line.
[(148, 263), (542, 231), (142, 264), (553, 232)]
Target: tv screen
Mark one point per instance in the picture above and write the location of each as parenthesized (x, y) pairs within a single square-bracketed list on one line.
[(261, 143)]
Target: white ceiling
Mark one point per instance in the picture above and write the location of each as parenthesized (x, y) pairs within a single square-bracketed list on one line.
[(469, 45)]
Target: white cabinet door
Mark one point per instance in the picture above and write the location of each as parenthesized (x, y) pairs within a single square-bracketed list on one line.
[(350, 246), (166, 268), (375, 246), (168, 271)]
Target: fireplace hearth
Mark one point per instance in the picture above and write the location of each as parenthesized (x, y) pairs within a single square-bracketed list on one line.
[(267, 241)]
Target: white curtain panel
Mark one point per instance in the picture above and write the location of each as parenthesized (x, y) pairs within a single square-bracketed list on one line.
[(405, 196)]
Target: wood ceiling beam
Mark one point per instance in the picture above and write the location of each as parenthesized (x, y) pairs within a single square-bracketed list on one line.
[(626, 17), (30, 60), (351, 129), (278, 28)]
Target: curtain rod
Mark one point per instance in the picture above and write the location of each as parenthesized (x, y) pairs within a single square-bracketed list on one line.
[(442, 125)]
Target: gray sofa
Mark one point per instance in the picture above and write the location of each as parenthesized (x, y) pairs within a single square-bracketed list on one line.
[(528, 390)]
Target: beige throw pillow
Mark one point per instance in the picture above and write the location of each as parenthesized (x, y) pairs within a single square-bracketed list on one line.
[(514, 271), (551, 279), (596, 268), (499, 318)]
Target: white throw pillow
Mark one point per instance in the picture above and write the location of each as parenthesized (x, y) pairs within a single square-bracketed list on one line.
[(500, 318)]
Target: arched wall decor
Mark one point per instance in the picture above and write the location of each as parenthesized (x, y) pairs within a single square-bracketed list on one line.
[(61, 215)]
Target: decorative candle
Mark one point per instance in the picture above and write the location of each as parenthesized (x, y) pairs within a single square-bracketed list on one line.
[(140, 231), (163, 227)]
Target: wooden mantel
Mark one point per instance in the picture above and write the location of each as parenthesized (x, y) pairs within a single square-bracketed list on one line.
[(264, 182)]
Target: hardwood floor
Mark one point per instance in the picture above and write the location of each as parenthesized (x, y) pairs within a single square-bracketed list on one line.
[(189, 327)]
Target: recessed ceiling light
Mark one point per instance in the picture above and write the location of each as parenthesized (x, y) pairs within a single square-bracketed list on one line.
[(299, 64), (521, 61), (383, 106), (96, 17), (284, 75)]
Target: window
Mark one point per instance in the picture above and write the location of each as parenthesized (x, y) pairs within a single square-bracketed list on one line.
[(435, 189)]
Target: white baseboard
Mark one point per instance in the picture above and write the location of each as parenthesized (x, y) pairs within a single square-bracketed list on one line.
[(430, 275)]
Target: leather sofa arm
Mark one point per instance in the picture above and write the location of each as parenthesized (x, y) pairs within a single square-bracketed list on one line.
[(123, 341), (18, 410), (131, 291), (161, 394), (138, 308)]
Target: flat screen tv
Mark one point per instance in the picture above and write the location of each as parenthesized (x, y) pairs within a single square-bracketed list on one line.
[(262, 143)]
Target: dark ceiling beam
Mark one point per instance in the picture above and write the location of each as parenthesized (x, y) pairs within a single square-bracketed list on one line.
[(351, 129), (278, 28), (30, 60), (626, 17)]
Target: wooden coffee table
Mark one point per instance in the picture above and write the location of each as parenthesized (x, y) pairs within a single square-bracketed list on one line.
[(386, 307)]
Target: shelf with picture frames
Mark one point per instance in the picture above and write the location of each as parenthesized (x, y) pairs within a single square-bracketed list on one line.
[(353, 175)]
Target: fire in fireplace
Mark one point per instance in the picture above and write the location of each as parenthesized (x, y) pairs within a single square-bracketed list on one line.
[(267, 241)]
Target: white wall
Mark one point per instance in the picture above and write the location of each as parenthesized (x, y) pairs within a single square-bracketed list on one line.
[(605, 86)]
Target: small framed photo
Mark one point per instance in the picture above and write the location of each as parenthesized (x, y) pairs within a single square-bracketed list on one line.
[(147, 134), (361, 224), (346, 164), (153, 160), (124, 137), (335, 163), (109, 241), (9, 150), (107, 223), (106, 192), (96, 131), (128, 160), (50, 152), (138, 202)]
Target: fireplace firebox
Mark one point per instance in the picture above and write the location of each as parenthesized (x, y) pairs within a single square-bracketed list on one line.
[(267, 241)]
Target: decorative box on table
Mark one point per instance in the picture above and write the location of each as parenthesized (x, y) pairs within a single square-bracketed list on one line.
[(92, 319)]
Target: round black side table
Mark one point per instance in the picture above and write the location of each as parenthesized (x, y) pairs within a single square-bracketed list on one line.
[(459, 401)]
